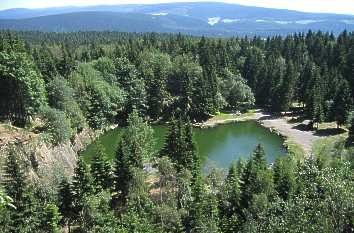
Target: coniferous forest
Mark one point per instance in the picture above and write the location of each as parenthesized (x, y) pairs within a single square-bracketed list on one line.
[(59, 84)]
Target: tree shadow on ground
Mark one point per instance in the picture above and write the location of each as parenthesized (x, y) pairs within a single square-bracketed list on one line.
[(303, 127), (268, 117), (329, 132)]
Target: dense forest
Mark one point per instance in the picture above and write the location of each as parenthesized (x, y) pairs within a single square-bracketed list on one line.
[(58, 84)]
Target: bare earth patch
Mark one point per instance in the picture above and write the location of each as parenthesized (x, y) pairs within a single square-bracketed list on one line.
[(292, 131), (10, 134)]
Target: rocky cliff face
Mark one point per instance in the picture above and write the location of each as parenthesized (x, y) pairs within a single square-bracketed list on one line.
[(44, 160)]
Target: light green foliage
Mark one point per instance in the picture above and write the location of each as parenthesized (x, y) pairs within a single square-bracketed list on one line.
[(50, 219), (127, 77), (61, 96), (236, 91), (155, 69), (21, 86), (100, 101), (5, 201), (56, 124), (135, 148)]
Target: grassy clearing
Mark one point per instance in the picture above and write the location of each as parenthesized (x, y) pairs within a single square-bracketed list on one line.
[(230, 116), (329, 145), (294, 149)]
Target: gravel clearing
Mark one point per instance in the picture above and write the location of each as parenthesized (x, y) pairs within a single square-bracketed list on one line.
[(288, 130)]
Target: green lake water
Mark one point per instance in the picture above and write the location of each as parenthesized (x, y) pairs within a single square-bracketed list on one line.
[(220, 145)]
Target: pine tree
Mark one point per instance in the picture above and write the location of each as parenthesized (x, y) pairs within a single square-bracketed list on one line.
[(66, 202), (188, 160), (342, 103), (50, 219), (26, 215), (122, 176), (134, 149), (284, 177), (101, 170), (256, 178), (82, 188)]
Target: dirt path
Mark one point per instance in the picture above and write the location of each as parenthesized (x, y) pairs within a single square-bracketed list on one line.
[(289, 130)]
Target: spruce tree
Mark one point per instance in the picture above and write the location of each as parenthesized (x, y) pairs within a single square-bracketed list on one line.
[(122, 176), (82, 188), (175, 145), (284, 177), (66, 202), (233, 190), (256, 178), (25, 218), (50, 219), (135, 148), (191, 153), (101, 169), (342, 103)]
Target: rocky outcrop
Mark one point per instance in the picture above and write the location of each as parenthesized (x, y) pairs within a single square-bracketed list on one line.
[(41, 158)]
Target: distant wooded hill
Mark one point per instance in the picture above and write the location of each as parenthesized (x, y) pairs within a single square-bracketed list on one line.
[(202, 18)]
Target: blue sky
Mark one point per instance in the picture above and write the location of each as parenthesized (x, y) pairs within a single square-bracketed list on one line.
[(330, 6)]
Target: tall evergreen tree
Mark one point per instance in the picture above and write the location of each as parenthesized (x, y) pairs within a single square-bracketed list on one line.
[(66, 202), (82, 188), (25, 217), (342, 103), (101, 169), (135, 148), (256, 178), (284, 177)]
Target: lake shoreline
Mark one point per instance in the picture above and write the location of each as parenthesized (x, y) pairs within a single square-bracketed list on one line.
[(276, 124)]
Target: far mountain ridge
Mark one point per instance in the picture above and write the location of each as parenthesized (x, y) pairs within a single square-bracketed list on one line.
[(196, 18)]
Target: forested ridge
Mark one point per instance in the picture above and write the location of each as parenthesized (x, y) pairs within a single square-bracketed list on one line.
[(58, 84)]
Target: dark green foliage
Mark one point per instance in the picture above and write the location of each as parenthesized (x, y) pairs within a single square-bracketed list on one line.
[(66, 202), (101, 170), (82, 188), (109, 78), (134, 149), (284, 177), (155, 68), (180, 146), (21, 86), (82, 181), (127, 77), (351, 133), (342, 103), (66, 63), (256, 179), (26, 216), (45, 62), (50, 219)]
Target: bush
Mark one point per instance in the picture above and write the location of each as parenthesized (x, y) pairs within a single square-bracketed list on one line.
[(57, 125)]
